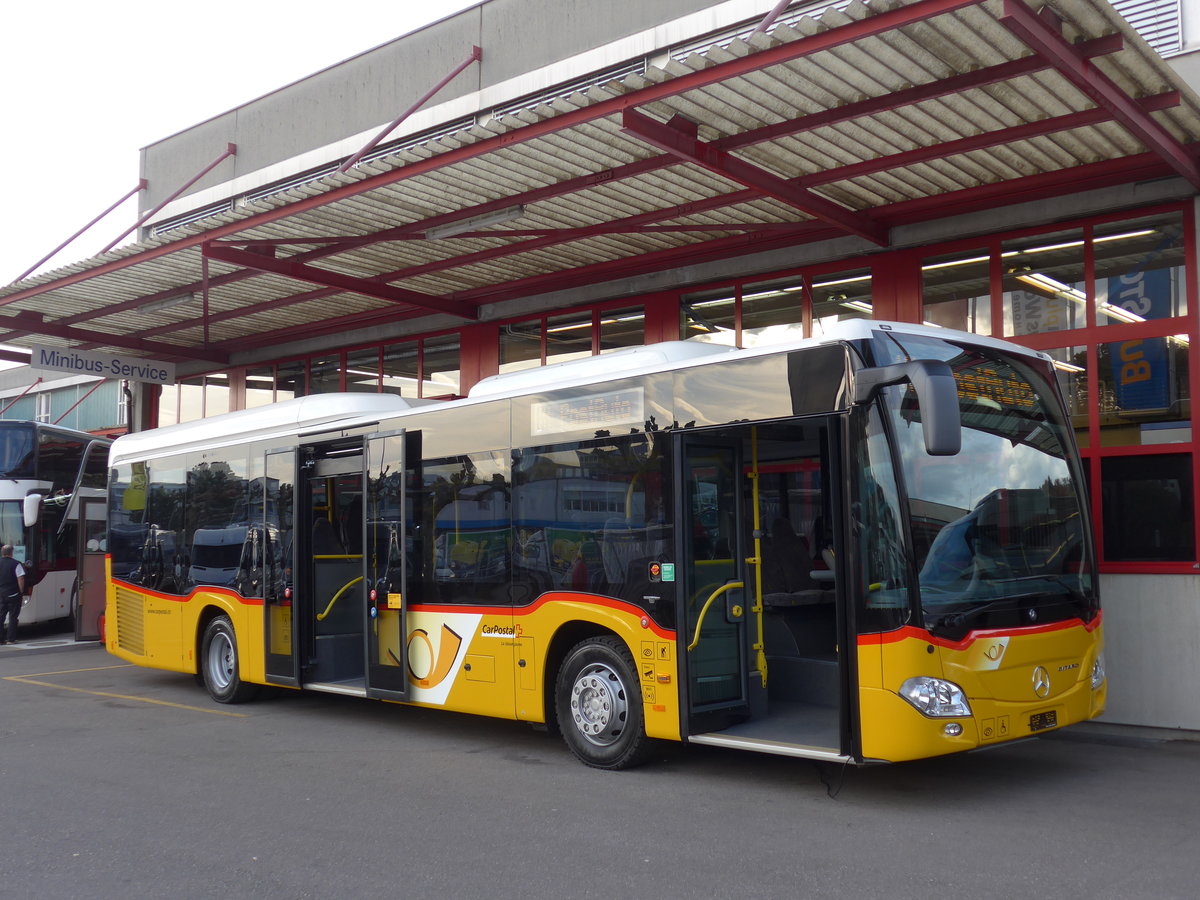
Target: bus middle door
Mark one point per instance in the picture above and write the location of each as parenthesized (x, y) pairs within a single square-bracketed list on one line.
[(713, 640)]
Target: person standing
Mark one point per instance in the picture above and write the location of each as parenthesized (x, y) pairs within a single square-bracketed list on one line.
[(12, 589)]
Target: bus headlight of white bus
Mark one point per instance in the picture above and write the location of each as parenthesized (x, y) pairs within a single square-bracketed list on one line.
[(935, 697), (1098, 675)]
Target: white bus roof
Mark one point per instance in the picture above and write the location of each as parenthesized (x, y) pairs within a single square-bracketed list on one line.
[(326, 412)]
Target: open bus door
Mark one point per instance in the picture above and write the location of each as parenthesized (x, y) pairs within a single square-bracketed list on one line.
[(385, 570), (714, 595), (90, 589), (334, 517), (276, 536), (763, 624)]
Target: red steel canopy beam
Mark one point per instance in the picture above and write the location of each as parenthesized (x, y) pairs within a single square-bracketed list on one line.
[(230, 150), (32, 323), (816, 43), (687, 147), (954, 84), (376, 289), (1068, 62), (476, 55), (20, 395), (141, 185)]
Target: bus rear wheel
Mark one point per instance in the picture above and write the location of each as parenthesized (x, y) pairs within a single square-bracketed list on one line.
[(599, 705), (219, 664)]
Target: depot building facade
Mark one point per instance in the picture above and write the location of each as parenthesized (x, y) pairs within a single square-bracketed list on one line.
[(531, 181)]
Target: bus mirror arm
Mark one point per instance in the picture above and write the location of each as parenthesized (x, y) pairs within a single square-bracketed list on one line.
[(937, 395)]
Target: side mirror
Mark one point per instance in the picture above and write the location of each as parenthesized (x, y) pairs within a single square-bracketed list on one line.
[(937, 396), (32, 509)]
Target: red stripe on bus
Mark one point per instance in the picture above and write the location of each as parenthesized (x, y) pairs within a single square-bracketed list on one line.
[(911, 632)]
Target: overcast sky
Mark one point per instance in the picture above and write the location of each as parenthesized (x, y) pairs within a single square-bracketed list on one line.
[(86, 85)]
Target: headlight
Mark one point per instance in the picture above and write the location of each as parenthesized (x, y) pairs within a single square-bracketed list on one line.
[(1098, 671), (935, 697)]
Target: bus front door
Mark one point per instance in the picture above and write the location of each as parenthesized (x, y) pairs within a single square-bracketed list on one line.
[(273, 545), (90, 588), (713, 640), (386, 509)]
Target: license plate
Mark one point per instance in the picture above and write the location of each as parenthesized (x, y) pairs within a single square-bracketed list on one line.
[(1043, 720)]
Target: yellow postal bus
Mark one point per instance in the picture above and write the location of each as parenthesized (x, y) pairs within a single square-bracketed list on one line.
[(872, 546)]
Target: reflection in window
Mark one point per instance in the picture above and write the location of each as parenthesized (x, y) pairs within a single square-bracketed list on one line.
[(590, 516), (216, 395), (464, 537), (191, 399), (621, 328), (362, 370), (837, 298), (291, 379), (260, 387), (1147, 502), (710, 316), (1070, 364), (168, 405), (1140, 270), (520, 346), (440, 367), (401, 369), (568, 337), (1044, 283), (772, 312), (956, 291), (325, 374), (1144, 396)]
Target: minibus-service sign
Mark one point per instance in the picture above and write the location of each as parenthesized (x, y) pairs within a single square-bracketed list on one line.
[(102, 365)]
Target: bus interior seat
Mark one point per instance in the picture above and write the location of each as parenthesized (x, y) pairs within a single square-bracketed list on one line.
[(325, 541), (786, 578)]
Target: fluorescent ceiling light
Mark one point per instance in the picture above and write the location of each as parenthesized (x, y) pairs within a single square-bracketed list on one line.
[(450, 229), (855, 280), (167, 302), (858, 305)]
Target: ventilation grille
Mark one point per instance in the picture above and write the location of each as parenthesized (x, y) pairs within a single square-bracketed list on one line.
[(131, 621)]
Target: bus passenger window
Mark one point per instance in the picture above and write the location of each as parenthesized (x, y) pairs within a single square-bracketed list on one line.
[(463, 511)]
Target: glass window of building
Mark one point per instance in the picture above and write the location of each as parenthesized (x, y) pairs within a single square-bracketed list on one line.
[(840, 296), (520, 345), (710, 316), (291, 379), (1044, 284), (362, 370), (1143, 391), (1140, 269), (325, 374), (168, 405), (772, 312), (568, 337), (1148, 513), (440, 367), (401, 369), (191, 399), (216, 394), (260, 387), (956, 291), (1072, 368), (621, 328)]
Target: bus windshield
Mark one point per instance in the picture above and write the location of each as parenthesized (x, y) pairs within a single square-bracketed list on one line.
[(998, 530), (17, 459)]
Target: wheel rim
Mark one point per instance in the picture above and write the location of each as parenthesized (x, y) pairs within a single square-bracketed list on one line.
[(598, 704), (221, 661)]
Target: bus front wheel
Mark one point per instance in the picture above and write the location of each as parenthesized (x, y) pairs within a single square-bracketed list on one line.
[(599, 705), (219, 664)]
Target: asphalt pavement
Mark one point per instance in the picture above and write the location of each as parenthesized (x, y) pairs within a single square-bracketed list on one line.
[(125, 782)]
